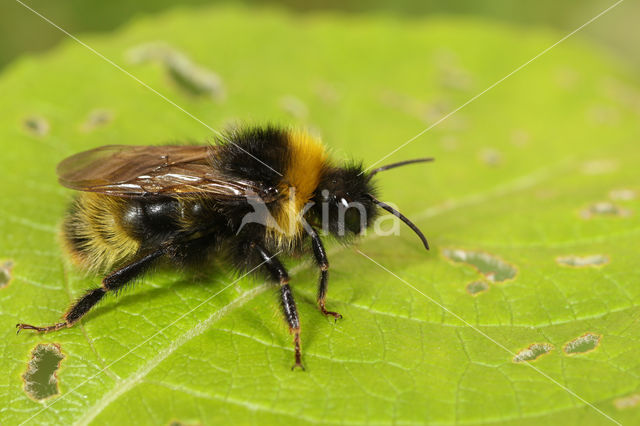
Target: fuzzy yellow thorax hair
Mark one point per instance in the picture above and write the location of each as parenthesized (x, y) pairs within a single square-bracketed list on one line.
[(307, 160)]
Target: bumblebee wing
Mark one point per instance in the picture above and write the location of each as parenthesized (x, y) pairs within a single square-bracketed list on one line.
[(146, 170)]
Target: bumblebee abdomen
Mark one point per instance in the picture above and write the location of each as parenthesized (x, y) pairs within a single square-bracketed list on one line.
[(96, 231), (103, 230)]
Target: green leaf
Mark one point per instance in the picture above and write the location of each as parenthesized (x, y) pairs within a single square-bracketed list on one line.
[(537, 176)]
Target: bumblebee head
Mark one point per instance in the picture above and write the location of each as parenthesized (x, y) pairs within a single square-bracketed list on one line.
[(345, 200), (342, 200)]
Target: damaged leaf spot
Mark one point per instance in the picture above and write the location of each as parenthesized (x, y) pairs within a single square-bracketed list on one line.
[(585, 343), (451, 73), (36, 125), (583, 261), (149, 52), (181, 423), (599, 167), (520, 138), (294, 107), (449, 143), (190, 77), (627, 401), (40, 380), (567, 78), (533, 352), (491, 157), (327, 93), (600, 114), (604, 208), (622, 194), (194, 79), (623, 93), (5, 273), (492, 267), (477, 287), (427, 112), (97, 118)]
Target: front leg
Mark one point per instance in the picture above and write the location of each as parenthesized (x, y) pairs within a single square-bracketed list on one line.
[(323, 263), (279, 274)]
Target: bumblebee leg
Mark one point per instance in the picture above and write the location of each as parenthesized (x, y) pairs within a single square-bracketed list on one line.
[(323, 263), (280, 275), (111, 282)]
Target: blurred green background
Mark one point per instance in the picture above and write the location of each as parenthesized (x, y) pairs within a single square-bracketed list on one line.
[(21, 31)]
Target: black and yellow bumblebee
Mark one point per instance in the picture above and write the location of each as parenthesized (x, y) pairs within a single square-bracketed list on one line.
[(255, 193)]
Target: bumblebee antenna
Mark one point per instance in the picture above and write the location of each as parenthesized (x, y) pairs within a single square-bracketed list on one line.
[(400, 216), (394, 165)]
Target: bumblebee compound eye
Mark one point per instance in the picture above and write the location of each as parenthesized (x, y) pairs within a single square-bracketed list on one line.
[(352, 217), (355, 221)]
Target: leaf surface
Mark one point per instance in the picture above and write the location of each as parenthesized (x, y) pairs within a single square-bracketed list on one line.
[(540, 168)]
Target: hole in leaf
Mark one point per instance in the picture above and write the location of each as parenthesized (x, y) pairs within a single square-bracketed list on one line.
[(604, 208), (533, 352), (191, 78), (583, 261), (585, 343), (40, 380), (5, 273), (294, 106), (97, 118), (477, 287), (492, 267), (629, 401), (36, 125)]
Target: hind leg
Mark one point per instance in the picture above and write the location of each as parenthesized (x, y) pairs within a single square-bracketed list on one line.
[(112, 282)]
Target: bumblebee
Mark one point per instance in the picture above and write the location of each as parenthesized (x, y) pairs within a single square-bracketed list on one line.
[(254, 194)]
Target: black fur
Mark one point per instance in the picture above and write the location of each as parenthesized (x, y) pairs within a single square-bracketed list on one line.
[(252, 150), (347, 183)]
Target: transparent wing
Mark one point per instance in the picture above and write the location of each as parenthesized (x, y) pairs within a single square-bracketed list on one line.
[(162, 170)]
